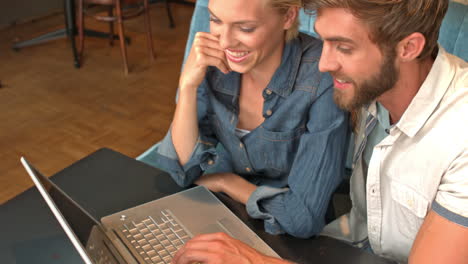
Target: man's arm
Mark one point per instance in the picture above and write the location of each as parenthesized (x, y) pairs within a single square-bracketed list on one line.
[(440, 240)]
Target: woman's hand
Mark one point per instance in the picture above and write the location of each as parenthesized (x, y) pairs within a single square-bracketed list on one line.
[(205, 52), (231, 184), (220, 248), (215, 182)]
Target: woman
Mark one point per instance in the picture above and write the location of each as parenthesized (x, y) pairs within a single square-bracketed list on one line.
[(255, 119)]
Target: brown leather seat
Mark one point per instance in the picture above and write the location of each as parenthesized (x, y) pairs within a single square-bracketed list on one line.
[(136, 8)]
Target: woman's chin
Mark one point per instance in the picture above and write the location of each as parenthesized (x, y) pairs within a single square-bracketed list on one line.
[(239, 68)]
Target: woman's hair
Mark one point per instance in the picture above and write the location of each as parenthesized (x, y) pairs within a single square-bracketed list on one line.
[(390, 21), (283, 6)]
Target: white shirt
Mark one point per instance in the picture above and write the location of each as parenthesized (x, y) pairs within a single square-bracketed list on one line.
[(421, 165)]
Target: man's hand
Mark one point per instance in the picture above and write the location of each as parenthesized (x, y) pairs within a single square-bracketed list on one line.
[(220, 248)]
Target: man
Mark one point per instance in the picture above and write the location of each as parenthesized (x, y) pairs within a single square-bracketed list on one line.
[(410, 175)]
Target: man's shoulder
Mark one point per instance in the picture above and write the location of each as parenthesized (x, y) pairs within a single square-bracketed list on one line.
[(460, 68)]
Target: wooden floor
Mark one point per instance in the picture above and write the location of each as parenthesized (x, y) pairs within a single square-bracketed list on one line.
[(54, 114)]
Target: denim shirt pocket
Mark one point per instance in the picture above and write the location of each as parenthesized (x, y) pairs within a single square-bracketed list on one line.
[(279, 148), (411, 208)]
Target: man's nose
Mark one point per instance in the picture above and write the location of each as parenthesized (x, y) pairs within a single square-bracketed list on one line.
[(328, 62)]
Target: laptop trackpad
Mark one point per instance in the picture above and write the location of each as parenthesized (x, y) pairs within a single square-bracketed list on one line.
[(229, 227)]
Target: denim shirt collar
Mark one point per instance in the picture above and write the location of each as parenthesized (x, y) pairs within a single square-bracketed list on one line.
[(283, 79)]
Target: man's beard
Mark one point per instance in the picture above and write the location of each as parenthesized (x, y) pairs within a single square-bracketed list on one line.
[(371, 88)]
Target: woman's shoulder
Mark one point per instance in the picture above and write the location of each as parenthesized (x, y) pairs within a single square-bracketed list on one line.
[(310, 45), (308, 74)]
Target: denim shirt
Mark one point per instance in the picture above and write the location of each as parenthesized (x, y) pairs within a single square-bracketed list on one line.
[(295, 157)]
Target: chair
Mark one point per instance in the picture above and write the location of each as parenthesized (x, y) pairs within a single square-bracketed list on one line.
[(124, 9)]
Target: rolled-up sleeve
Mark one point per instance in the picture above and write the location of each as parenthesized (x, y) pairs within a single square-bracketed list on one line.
[(316, 172), (451, 200), (204, 153)]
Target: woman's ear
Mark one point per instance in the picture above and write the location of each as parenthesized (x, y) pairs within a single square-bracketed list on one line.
[(290, 17), (411, 47)]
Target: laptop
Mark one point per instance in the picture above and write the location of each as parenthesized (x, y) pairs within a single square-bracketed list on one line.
[(148, 233)]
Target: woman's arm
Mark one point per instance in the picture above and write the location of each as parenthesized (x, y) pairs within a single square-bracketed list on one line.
[(205, 52), (231, 184)]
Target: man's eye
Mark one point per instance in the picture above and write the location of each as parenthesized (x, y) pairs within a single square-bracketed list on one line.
[(344, 49)]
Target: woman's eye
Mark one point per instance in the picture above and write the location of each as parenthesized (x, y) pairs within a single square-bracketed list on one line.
[(215, 20), (247, 29)]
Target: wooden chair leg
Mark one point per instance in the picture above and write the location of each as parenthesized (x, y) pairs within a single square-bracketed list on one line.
[(169, 14), (80, 23), (149, 35), (110, 12), (123, 47)]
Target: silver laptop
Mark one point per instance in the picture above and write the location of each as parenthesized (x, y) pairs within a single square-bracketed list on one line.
[(148, 233)]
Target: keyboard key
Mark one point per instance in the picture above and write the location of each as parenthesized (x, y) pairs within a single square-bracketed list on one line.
[(146, 247), (171, 249), (158, 247), (156, 259), (142, 242), (177, 243), (151, 253), (163, 253), (181, 233), (156, 232), (166, 243), (139, 225), (167, 259)]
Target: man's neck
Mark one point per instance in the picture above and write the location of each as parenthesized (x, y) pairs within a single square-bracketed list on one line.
[(411, 77)]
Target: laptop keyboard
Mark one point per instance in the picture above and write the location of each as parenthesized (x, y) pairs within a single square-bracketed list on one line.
[(156, 239)]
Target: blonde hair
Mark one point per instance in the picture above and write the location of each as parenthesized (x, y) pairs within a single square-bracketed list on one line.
[(390, 21), (283, 6)]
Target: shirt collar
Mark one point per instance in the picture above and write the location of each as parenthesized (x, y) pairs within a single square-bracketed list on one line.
[(429, 95), (283, 79)]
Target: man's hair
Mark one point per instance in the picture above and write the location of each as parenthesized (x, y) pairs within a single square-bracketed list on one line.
[(283, 6), (390, 21)]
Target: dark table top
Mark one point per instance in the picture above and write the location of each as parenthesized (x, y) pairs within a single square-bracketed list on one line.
[(106, 182)]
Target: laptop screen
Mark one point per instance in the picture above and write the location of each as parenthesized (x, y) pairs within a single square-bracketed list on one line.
[(80, 222), (76, 222)]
